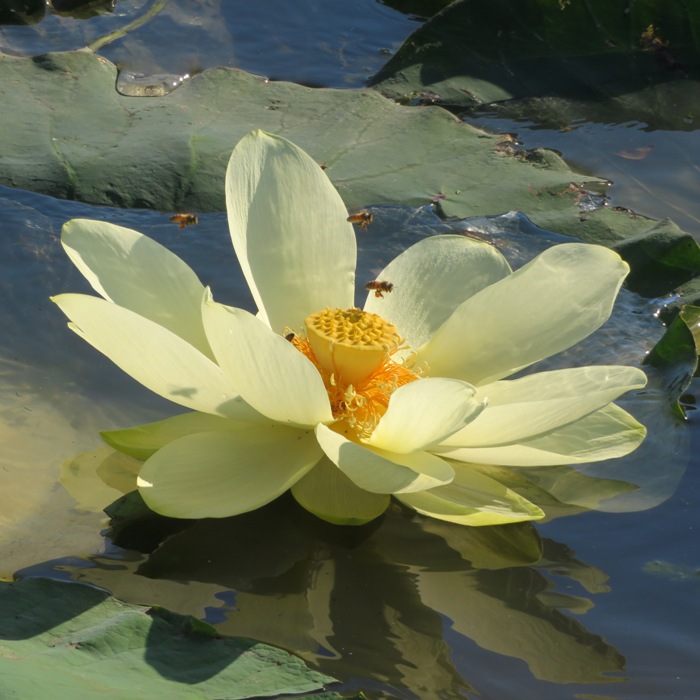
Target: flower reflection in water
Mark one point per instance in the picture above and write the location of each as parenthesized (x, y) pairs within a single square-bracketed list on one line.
[(384, 600)]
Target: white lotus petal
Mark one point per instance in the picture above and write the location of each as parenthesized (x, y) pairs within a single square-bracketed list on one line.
[(605, 434), (270, 373), (154, 356), (142, 441), (551, 303), (327, 493), (289, 229), (521, 409), (379, 471), (473, 499), (218, 474), (431, 279), (424, 413), (137, 273)]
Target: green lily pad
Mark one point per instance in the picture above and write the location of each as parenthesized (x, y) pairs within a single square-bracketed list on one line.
[(675, 356), (661, 259), (481, 51), (671, 106), (63, 640), (74, 136)]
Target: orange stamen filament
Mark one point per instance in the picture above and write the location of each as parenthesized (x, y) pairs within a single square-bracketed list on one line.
[(359, 407)]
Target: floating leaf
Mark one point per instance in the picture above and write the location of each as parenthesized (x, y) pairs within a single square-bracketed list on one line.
[(481, 51), (676, 354), (169, 152), (661, 259), (62, 640)]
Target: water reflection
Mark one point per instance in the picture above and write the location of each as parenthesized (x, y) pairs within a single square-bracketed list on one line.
[(383, 598), (418, 608), (376, 597), (320, 43)]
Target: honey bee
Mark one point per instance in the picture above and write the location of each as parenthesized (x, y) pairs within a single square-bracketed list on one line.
[(379, 288), (185, 219), (363, 219)]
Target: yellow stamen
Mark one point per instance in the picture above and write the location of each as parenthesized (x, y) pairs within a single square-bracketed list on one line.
[(352, 350)]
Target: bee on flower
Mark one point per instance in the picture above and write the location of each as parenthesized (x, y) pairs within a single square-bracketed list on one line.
[(406, 397), (379, 287)]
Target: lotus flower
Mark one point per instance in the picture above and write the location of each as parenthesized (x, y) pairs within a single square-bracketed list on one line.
[(347, 407)]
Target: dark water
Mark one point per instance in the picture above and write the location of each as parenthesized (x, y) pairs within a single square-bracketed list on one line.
[(405, 608), (313, 42)]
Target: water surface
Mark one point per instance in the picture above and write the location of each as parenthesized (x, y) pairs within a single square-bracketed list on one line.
[(404, 608)]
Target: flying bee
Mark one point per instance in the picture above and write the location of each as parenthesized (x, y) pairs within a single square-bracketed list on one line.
[(185, 219), (379, 288), (363, 219)]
